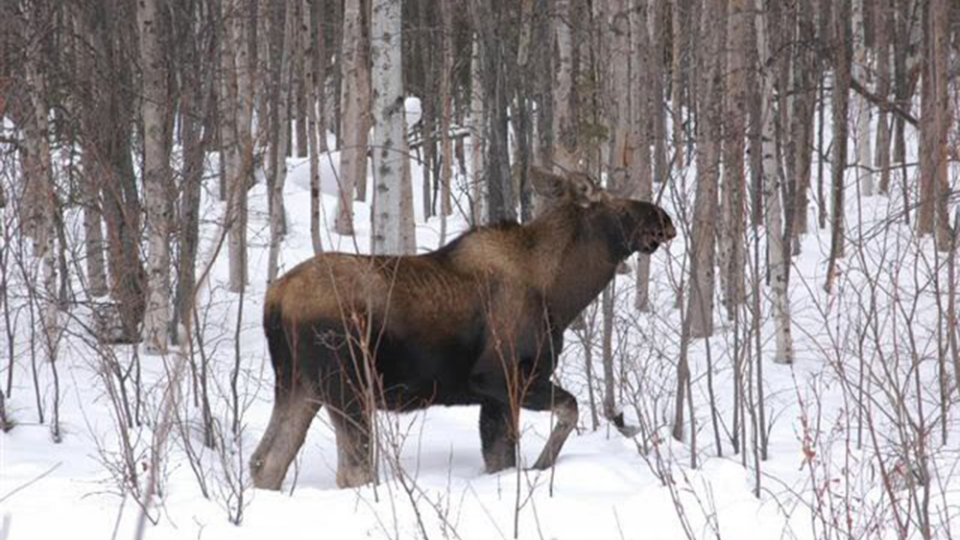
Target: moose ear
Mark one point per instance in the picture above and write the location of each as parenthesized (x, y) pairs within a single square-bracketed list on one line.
[(548, 184), (576, 187)]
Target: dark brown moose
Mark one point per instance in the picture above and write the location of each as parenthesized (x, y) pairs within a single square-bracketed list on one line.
[(479, 321)]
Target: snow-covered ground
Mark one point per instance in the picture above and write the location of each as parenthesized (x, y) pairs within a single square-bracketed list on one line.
[(827, 473)]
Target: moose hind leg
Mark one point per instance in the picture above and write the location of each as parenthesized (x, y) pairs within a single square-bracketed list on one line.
[(498, 436), (548, 396), (354, 452), (291, 417)]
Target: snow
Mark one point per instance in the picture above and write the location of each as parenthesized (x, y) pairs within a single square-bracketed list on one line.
[(602, 487)]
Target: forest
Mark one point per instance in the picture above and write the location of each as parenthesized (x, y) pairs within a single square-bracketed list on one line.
[(787, 367)]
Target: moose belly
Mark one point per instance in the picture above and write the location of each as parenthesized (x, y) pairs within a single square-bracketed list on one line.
[(418, 373)]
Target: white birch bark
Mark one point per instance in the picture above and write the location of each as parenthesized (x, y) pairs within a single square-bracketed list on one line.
[(388, 135), (446, 111), (313, 99), (477, 122), (155, 179), (778, 256), (40, 172), (237, 152)]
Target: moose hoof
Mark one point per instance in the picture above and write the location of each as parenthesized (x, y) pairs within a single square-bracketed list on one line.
[(351, 477)]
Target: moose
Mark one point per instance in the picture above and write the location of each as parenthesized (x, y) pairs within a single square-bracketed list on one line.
[(479, 321)]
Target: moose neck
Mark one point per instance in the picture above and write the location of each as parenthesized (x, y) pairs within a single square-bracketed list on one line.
[(580, 251)]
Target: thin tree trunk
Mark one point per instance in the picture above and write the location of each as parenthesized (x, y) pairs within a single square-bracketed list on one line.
[(388, 136), (644, 103), (477, 139), (734, 178), (92, 229), (354, 125), (840, 105), (446, 112), (156, 179), (195, 79), (943, 116), (564, 124), (320, 22), (313, 99), (236, 139), (804, 107), (501, 201), (427, 110), (860, 73), (301, 82), (882, 32), (708, 171), (38, 167), (779, 256), (677, 75), (283, 141)]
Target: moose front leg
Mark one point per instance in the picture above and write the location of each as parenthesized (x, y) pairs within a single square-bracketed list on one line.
[(498, 428), (543, 396)]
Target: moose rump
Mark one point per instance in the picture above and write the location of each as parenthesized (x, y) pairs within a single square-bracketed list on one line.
[(479, 321)]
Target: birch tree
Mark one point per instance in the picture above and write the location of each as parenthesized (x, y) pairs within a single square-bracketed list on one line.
[(700, 308), (446, 112), (282, 144), (644, 101), (354, 123), (388, 133), (314, 99), (734, 179), (235, 121), (156, 179), (779, 256), (477, 141)]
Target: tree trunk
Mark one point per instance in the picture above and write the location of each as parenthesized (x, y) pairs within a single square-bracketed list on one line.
[(734, 183), (283, 142), (388, 136), (195, 76), (644, 103), (156, 179), (320, 21), (700, 308), (940, 47), (354, 125), (92, 228), (565, 155), (446, 112), (840, 105), (312, 100), (804, 104), (236, 140), (427, 109), (679, 62), (501, 201), (882, 27), (860, 73), (779, 256), (477, 141)]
